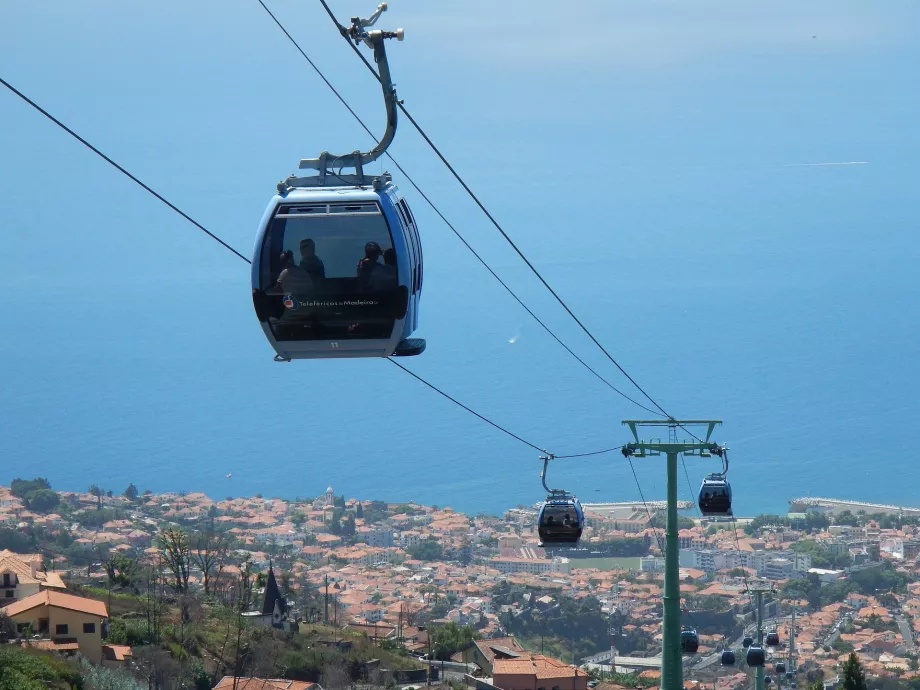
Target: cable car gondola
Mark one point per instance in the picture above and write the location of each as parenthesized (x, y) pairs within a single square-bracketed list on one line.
[(756, 655), (789, 675), (689, 640), (772, 639), (780, 668), (728, 657), (561, 519), (747, 641), (337, 265), (767, 680), (715, 497)]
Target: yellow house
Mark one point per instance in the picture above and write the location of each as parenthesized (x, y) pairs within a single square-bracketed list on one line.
[(64, 620), (21, 575)]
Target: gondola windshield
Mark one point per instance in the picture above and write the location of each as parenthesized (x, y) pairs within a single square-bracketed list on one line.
[(331, 271)]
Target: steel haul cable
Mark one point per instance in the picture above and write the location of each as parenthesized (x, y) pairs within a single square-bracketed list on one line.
[(447, 222), (217, 239), (488, 215)]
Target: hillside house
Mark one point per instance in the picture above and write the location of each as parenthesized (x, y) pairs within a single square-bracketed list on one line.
[(65, 622)]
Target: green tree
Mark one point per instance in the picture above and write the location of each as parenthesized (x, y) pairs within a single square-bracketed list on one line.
[(43, 500), (348, 527), (660, 520), (96, 491), (131, 492), (22, 487), (427, 550), (335, 527), (359, 511), (854, 677), (450, 638)]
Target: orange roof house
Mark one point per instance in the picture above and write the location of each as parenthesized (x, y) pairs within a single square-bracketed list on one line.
[(534, 671), (62, 619)]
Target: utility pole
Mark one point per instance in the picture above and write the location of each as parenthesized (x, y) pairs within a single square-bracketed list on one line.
[(758, 592), (326, 610), (671, 655)]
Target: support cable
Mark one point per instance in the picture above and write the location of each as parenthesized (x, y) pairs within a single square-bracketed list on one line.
[(648, 510), (447, 222), (213, 236), (120, 168), (470, 410), (494, 222)]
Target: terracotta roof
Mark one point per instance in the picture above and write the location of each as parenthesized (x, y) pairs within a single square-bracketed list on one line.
[(58, 600), (116, 652), (263, 684), (542, 667), (502, 645)]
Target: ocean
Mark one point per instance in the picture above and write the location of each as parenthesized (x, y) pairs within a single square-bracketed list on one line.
[(673, 199)]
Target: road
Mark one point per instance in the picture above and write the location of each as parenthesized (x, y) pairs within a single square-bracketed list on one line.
[(906, 632)]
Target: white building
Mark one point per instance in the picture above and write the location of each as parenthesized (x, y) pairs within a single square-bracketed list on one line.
[(653, 564), (528, 565)]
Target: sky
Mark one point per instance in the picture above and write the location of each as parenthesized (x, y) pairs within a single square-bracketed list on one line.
[(674, 170)]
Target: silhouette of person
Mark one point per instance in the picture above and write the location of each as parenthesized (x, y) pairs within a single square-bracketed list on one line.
[(309, 261), (368, 264), (293, 279), (386, 275)]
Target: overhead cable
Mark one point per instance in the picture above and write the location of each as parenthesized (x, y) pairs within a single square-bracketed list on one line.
[(447, 222), (120, 168), (491, 218)]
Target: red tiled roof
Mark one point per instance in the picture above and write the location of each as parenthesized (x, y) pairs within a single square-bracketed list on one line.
[(263, 684), (58, 600)]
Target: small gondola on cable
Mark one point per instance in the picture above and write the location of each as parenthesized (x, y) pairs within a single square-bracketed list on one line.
[(689, 640), (772, 639), (780, 668), (747, 641), (561, 518), (337, 265), (715, 497), (756, 655), (728, 657)]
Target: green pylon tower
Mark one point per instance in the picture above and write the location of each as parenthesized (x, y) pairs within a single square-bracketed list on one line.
[(758, 592), (671, 656), (791, 661)]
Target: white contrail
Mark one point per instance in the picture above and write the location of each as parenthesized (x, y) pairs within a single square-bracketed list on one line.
[(802, 165)]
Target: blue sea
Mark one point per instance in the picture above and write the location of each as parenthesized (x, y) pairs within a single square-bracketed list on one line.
[(726, 196)]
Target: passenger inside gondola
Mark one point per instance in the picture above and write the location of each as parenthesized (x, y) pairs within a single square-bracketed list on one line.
[(309, 261), (326, 295), (293, 280), (386, 275), (368, 265)]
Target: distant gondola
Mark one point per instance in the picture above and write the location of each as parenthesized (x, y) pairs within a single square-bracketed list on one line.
[(715, 496), (561, 520), (689, 641), (772, 639), (756, 655), (728, 657)]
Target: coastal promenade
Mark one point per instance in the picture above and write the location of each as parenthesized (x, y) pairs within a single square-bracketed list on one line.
[(838, 505)]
